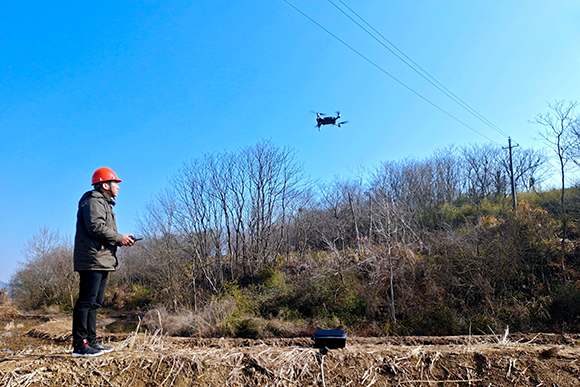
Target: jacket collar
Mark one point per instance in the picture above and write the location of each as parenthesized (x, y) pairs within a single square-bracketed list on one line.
[(98, 194)]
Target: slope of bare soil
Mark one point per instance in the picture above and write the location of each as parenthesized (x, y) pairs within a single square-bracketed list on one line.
[(35, 351)]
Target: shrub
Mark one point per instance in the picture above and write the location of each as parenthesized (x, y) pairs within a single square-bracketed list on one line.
[(131, 297), (47, 277), (565, 308)]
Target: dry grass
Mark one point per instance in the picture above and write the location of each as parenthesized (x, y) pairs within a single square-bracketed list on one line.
[(152, 359), (155, 359)]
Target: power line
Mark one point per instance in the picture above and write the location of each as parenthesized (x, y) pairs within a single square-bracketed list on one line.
[(387, 73), (423, 73)]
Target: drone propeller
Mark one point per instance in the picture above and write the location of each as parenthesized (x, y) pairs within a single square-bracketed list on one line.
[(320, 114), (343, 122)]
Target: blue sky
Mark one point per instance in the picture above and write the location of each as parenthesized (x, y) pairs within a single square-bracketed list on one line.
[(144, 86)]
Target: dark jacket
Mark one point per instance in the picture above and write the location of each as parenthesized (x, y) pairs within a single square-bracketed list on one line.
[(96, 238)]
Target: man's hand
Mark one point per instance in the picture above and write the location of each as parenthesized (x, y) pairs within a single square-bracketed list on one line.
[(128, 240)]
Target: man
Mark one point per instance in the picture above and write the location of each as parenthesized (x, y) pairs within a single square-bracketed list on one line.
[(96, 242)]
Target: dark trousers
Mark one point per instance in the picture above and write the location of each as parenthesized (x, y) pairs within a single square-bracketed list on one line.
[(91, 293)]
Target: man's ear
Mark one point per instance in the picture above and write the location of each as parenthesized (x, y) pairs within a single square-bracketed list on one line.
[(106, 186)]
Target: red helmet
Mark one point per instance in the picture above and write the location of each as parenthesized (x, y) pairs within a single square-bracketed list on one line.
[(104, 174)]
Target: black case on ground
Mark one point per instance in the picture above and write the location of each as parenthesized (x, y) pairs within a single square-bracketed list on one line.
[(329, 338)]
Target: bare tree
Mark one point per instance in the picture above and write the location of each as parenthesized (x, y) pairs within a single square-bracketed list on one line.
[(406, 183), (199, 220), (559, 127), (46, 278), (391, 229), (484, 172), (530, 168), (275, 180), (342, 214), (226, 215), (42, 242), (446, 175), (160, 261), (421, 184), (572, 122)]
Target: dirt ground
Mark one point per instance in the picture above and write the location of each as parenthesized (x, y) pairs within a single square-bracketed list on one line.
[(35, 351)]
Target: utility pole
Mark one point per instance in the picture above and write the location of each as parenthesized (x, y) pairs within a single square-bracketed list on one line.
[(514, 202)]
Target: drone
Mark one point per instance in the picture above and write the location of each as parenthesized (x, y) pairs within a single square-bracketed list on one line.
[(321, 120)]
